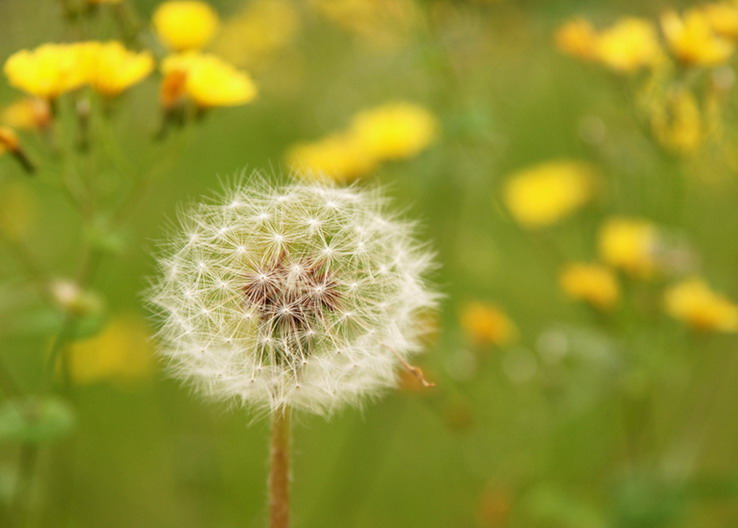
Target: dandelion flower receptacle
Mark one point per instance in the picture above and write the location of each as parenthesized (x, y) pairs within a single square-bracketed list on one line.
[(303, 296)]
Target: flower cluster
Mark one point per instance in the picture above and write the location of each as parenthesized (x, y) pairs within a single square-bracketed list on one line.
[(305, 296), (393, 131), (682, 111)]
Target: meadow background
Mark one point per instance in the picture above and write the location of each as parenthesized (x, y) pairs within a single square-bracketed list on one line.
[(548, 411)]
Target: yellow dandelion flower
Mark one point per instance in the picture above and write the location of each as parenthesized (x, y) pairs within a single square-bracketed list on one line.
[(695, 304), (47, 71), (337, 157), (487, 324), (629, 244), (121, 352), (113, 68), (692, 40), (27, 113), (677, 122), (628, 45), (185, 25), (577, 38), (209, 81), (591, 283), (395, 130), (258, 32), (722, 18), (545, 193)]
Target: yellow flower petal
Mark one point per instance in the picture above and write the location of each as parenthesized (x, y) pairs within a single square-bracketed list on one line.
[(185, 25)]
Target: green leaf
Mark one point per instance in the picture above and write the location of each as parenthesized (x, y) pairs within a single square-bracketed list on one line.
[(35, 420)]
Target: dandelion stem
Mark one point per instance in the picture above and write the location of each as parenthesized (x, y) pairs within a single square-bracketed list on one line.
[(279, 470)]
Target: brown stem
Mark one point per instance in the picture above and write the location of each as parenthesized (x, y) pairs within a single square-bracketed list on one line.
[(279, 471)]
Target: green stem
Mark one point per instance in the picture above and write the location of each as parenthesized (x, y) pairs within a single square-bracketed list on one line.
[(279, 470)]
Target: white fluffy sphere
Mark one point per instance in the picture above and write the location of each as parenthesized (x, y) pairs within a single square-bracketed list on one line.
[(303, 295)]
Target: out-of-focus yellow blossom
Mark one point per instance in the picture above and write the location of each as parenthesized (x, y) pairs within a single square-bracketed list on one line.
[(210, 81), (723, 18), (27, 113), (18, 209), (543, 194), (260, 30), (694, 303), (337, 157), (677, 122), (577, 38), (8, 139), (47, 71), (383, 23), (113, 68), (629, 244), (185, 25), (591, 283), (628, 45), (394, 130), (122, 352), (487, 324), (692, 40)]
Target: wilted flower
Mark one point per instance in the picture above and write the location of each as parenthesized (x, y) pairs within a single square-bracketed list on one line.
[(487, 324), (692, 39), (394, 131), (629, 244), (209, 81), (591, 283), (185, 25), (543, 194), (303, 295), (48, 71), (577, 38), (28, 113), (338, 157), (694, 303), (628, 45), (113, 68)]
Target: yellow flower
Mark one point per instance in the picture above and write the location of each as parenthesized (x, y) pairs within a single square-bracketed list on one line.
[(48, 71), (185, 25), (695, 304), (629, 244), (121, 352), (722, 18), (577, 38), (487, 324), (543, 194), (692, 39), (209, 81), (336, 157), (27, 113), (677, 122), (18, 209), (260, 30), (630, 44), (113, 68), (592, 283), (394, 131)]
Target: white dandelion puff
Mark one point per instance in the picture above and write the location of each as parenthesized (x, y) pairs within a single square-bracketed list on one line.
[(303, 295)]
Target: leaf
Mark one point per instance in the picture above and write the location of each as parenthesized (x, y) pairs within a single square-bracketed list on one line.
[(35, 420)]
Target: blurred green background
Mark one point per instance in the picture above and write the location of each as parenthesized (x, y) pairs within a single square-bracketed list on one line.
[(586, 420)]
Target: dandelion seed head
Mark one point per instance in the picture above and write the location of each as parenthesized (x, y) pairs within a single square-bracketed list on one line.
[(317, 313)]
